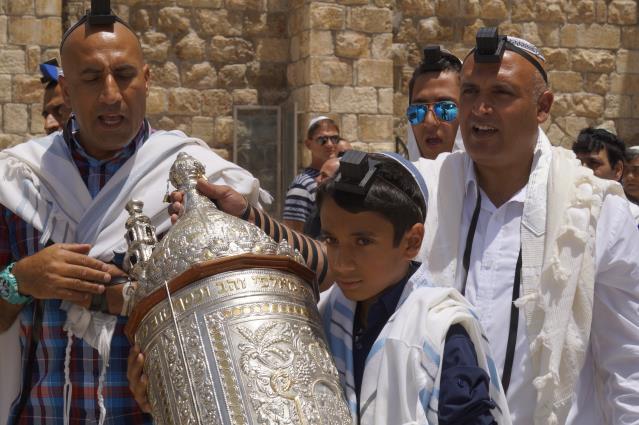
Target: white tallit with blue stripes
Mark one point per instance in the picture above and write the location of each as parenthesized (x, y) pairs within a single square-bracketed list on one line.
[(402, 371)]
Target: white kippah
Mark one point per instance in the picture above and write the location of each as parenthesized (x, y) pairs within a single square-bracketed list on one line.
[(316, 120), (527, 46)]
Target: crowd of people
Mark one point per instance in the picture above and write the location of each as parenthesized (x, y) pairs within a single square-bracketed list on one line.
[(493, 278)]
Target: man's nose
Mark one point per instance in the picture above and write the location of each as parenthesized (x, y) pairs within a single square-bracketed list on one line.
[(110, 91), (51, 124)]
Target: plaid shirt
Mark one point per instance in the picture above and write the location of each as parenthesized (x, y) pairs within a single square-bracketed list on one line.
[(45, 404)]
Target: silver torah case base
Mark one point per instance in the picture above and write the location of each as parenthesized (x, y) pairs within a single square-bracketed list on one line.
[(249, 347), (234, 339)]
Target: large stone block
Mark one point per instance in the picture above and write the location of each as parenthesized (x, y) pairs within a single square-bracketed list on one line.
[(216, 103), (382, 46), (203, 128), (550, 11), (591, 36), (25, 30), (156, 101), (320, 43), (353, 100), (630, 37), (190, 48), (272, 50), (581, 12), (173, 20), (224, 131), (548, 33), (432, 30), (266, 75), (12, 61), (558, 59), (523, 10), (165, 75), (624, 83), (246, 4), (572, 125), (622, 12), (36, 122), (230, 50), (27, 89), (374, 72), (375, 128), (348, 128), (219, 22), (16, 118), (184, 101), (335, 72), (19, 7), (493, 9), (155, 46), (385, 101), (563, 105), (469, 8), (5, 88), (628, 129), (140, 20), (327, 16), (597, 83), (51, 31), (566, 81), (48, 7), (417, 8), (618, 106), (351, 44), (9, 140), (260, 24), (212, 4), (232, 76), (447, 9), (319, 98), (628, 61), (590, 60), (33, 55), (244, 97), (371, 19), (470, 32), (588, 105), (200, 75)]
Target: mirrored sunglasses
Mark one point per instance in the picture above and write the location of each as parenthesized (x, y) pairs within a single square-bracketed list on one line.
[(322, 140), (445, 110)]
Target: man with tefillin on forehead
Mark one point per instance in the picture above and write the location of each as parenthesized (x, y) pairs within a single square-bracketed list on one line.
[(62, 220)]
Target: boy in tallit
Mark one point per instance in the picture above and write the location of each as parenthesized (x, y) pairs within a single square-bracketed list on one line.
[(407, 352)]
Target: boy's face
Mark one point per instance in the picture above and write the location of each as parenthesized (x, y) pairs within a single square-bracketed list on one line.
[(360, 249), (599, 163)]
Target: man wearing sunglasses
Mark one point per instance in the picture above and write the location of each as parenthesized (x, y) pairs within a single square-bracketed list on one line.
[(434, 97), (322, 141)]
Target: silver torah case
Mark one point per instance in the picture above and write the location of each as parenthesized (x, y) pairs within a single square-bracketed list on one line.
[(228, 321)]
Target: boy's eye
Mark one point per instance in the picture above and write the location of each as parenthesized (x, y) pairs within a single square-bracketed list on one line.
[(364, 241)]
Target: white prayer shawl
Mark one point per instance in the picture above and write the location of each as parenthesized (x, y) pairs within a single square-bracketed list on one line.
[(41, 184), (558, 231), (401, 377)]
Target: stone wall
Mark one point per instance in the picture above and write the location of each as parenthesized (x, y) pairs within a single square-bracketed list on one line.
[(591, 47), (349, 59)]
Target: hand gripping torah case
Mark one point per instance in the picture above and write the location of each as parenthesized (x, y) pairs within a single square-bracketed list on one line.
[(227, 319)]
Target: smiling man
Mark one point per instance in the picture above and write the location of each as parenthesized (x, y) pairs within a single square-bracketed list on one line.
[(547, 253), (62, 219), (434, 99)]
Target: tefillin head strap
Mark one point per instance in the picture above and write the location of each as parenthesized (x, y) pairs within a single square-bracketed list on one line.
[(491, 46), (100, 14), (435, 58), (357, 172)]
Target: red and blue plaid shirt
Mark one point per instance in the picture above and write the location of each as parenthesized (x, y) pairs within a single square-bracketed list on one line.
[(18, 239)]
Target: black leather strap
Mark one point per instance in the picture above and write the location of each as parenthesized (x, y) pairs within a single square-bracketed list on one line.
[(469, 240), (512, 328)]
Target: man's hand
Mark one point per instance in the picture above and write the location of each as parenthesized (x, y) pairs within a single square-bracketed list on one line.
[(62, 271), (226, 199), (138, 382)]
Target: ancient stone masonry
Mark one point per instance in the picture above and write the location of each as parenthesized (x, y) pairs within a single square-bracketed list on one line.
[(348, 59)]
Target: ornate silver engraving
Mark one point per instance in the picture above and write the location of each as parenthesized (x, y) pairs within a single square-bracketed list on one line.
[(240, 347)]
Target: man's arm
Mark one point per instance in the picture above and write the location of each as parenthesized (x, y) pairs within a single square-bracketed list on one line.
[(614, 336)]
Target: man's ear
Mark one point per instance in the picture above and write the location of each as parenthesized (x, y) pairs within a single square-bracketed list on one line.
[(413, 240), (307, 143), (618, 169), (543, 106), (65, 91)]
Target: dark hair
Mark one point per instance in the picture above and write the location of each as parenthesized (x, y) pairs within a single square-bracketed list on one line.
[(394, 194), (321, 123), (595, 139), (448, 62)]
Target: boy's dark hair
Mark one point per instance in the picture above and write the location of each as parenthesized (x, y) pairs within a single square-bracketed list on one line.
[(316, 125), (595, 139), (445, 61), (393, 193)]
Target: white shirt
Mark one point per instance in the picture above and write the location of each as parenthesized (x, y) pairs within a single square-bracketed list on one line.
[(608, 394)]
